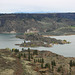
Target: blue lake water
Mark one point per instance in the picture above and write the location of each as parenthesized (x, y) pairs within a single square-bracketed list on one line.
[(68, 50)]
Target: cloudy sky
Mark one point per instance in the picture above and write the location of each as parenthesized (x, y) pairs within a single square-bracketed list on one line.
[(32, 6)]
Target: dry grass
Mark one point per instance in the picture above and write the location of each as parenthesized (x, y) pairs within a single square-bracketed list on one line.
[(28, 69), (7, 72), (9, 58)]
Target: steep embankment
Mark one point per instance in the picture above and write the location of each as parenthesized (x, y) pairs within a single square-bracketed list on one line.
[(50, 24)]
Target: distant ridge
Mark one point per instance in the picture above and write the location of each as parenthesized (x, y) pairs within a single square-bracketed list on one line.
[(45, 23)]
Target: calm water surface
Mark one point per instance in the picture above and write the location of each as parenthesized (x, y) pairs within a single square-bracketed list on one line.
[(68, 50)]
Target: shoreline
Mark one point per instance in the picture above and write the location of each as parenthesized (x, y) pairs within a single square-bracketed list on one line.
[(42, 35), (39, 51), (57, 35)]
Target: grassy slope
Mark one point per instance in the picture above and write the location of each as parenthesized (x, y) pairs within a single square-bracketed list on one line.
[(10, 64)]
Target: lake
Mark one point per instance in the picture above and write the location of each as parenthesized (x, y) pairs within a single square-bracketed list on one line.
[(67, 50)]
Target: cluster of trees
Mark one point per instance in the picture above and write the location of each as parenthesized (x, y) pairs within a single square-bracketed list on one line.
[(72, 63), (15, 50), (53, 63), (21, 55), (41, 60), (59, 69), (30, 56), (47, 65), (35, 52)]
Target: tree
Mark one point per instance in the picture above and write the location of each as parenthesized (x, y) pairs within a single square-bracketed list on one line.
[(19, 56), (71, 64), (42, 60), (35, 52), (24, 41), (59, 69), (53, 63), (13, 49), (38, 60), (29, 54), (24, 55), (47, 65), (22, 49), (16, 50), (70, 70), (42, 65)]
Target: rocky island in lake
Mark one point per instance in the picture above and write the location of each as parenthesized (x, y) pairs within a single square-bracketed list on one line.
[(37, 40)]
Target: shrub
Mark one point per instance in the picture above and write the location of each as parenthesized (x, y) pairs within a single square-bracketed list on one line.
[(35, 52), (59, 69), (42, 65)]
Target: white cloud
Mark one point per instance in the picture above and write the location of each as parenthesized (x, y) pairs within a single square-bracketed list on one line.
[(37, 5)]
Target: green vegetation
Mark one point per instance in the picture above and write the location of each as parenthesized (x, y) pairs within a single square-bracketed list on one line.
[(35, 52), (24, 55), (72, 63), (59, 69), (53, 63), (19, 56), (29, 54), (47, 65), (15, 50), (42, 65)]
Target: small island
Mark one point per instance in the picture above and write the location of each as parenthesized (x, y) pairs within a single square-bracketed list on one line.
[(37, 40)]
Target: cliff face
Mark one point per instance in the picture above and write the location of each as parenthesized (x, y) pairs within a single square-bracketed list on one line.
[(52, 24)]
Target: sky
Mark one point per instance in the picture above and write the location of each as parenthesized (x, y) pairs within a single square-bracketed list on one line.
[(36, 6)]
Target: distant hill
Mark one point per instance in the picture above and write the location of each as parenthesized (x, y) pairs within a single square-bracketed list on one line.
[(48, 24)]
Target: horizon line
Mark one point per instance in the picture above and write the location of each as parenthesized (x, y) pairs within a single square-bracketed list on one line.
[(34, 12)]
